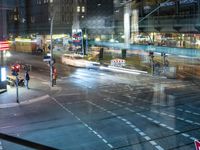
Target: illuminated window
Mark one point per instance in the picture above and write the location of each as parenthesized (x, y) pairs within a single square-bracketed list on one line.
[(83, 9), (32, 19), (39, 2), (15, 17), (78, 8)]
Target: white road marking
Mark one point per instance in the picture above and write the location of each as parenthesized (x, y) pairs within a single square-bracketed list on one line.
[(130, 125), (1, 147), (188, 111), (157, 122), (85, 124), (155, 111)]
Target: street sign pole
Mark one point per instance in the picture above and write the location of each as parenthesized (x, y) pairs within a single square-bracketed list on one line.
[(17, 91), (2, 59)]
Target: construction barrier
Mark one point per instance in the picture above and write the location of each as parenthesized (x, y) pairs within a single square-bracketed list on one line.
[(118, 62)]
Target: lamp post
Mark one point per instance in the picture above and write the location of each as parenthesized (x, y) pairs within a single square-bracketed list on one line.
[(51, 50)]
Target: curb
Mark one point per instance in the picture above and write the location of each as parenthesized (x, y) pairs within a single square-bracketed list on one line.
[(3, 90)]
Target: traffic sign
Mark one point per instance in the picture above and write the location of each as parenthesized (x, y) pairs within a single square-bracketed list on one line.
[(47, 58), (197, 145)]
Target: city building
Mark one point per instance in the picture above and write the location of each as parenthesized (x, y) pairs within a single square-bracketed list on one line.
[(158, 22), (33, 16), (161, 22), (30, 19), (99, 19)]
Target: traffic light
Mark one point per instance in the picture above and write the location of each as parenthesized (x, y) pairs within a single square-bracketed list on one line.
[(151, 54), (101, 54), (123, 53), (163, 54), (15, 69)]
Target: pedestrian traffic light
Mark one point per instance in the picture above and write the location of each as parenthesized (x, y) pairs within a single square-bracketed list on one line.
[(163, 54), (101, 54), (123, 53), (15, 69)]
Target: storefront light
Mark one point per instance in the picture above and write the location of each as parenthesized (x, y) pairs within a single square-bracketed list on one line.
[(97, 39), (3, 74), (85, 36), (24, 40), (112, 40), (58, 36)]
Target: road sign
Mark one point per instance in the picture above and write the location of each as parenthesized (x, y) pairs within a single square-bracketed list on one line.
[(47, 58), (118, 62), (197, 145)]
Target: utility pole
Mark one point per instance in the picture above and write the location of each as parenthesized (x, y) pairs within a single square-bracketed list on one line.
[(17, 89), (51, 50)]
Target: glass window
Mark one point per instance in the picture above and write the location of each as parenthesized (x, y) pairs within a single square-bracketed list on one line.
[(78, 8), (83, 9)]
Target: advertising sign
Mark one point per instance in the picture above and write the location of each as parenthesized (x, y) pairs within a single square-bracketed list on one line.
[(77, 37), (4, 45), (3, 74), (197, 144)]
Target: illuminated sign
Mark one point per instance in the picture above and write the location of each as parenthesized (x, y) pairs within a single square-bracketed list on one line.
[(4, 45), (181, 2), (3, 74), (77, 37), (197, 144)]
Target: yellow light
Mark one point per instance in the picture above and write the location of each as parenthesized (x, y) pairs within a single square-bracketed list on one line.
[(24, 40), (112, 40), (97, 39), (58, 36), (85, 36)]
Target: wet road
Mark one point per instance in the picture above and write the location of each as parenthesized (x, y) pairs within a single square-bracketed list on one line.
[(95, 110)]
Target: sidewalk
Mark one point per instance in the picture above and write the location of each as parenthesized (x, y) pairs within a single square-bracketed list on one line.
[(2, 91), (38, 91)]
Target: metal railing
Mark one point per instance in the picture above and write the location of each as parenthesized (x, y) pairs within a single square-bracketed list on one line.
[(24, 142)]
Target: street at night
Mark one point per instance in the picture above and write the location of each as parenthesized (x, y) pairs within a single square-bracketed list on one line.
[(99, 75), (93, 109)]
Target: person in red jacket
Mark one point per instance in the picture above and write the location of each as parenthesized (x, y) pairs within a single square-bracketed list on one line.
[(54, 75)]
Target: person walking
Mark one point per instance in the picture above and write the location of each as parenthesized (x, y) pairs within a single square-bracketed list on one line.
[(27, 78), (54, 75)]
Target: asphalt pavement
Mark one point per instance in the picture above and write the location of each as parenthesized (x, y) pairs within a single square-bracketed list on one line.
[(99, 110)]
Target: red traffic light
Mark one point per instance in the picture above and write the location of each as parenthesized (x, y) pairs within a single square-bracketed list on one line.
[(15, 68)]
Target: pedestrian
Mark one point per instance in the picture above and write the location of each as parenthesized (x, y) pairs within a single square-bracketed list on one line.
[(54, 75), (27, 78)]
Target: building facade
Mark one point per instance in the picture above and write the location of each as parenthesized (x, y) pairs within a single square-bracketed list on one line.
[(33, 16), (99, 19), (159, 22)]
